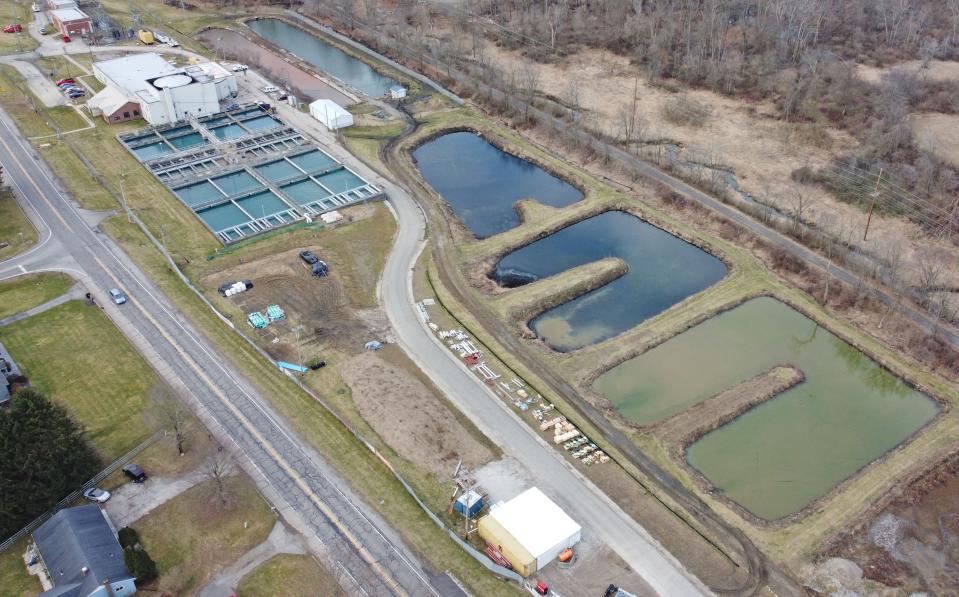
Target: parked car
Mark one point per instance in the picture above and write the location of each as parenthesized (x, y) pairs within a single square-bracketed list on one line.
[(68, 86), (160, 37), (270, 89), (13, 28), (76, 93), (135, 473), (65, 81), (66, 39), (282, 98), (118, 296), (239, 68), (320, 269), (44, 30), (173, 43), (95, 494), (35, 7), (233, 106), (309, 257)]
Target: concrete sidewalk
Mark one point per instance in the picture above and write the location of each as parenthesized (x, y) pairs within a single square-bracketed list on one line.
[(76, 292)]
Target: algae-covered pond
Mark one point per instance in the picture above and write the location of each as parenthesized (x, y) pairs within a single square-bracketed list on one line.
[(482, 183), (785, 453), (663, 270)]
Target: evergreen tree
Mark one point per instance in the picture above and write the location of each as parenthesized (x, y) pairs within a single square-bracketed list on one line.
[(44, 458)]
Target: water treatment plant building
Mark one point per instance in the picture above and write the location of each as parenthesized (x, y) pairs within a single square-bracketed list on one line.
[(163, 92)]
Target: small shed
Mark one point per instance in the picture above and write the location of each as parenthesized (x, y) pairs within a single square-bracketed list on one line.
[(397, 92), (469, 504), (530, 530), (331, 114)]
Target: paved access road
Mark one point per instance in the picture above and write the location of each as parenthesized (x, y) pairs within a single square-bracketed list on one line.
[(293, 478)]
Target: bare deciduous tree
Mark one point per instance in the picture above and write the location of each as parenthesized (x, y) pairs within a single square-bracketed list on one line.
[(217, 470), (171, 414)]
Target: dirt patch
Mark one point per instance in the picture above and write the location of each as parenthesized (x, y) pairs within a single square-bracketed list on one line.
[(913, 544), (409, 418), (687, 426), (937, 134)]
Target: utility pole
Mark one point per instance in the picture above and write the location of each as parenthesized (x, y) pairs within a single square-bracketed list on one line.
[(872, 206)]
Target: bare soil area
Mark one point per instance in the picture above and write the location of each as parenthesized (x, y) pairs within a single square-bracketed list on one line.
[(409, 417), (913, 545)]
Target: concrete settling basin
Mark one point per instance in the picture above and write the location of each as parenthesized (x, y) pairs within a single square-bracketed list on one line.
[(794, 448)]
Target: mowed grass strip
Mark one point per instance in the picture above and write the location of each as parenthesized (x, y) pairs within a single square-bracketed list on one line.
[(15, 229), (288, 574), (74, 355), (15, 12), (191, 537), (25, 292)]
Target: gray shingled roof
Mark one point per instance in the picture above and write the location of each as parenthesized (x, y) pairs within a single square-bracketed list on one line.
[(75, 538)]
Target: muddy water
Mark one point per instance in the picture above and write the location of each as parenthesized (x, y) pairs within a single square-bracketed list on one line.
[(663, 270), (788, 451), (355, 73), (481, 183), (234, 46)]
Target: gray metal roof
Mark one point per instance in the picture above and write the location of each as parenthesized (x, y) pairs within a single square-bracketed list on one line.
[(77, 538)]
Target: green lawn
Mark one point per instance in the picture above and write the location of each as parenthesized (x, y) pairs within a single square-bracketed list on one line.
[(14, 580), (287, 574), (15, 228), (74, 354), (26, 292), (191, 537), (15, 11)]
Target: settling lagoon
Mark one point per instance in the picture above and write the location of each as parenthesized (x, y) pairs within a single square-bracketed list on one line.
[(794, 448)]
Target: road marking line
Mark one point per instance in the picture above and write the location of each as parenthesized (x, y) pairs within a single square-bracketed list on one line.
[(56, 212), (23, 269)]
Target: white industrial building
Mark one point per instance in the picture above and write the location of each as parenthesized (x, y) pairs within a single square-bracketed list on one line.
[(165, 93), (331, 114), (530, 530)]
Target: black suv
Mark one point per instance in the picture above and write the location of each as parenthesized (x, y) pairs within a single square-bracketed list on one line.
[(309, 257), (135, 473)]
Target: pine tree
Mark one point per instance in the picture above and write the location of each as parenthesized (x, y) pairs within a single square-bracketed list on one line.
[(44, 458)]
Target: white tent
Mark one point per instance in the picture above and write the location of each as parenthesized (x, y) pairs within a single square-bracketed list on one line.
[(331, 114), (530, 530)]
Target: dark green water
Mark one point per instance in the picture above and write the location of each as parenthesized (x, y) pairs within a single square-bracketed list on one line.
[(794, 448), (353, 72), (482, 183), (663, 270)]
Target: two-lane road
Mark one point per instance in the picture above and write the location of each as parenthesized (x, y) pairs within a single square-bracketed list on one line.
[(295, 478)]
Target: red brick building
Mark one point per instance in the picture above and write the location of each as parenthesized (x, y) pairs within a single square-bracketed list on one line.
[(71, 21)]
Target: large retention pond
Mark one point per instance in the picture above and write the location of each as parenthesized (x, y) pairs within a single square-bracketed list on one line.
[(329, 59), (482, 183), (783, 454), (663, 270)]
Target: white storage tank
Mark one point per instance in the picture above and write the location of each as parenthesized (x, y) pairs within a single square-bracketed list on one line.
[(331, 114)]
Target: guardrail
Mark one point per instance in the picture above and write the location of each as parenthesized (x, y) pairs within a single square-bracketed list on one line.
[(116, 464)]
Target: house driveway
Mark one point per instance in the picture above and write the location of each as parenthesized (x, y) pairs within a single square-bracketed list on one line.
[(132, 501), (281, 540)]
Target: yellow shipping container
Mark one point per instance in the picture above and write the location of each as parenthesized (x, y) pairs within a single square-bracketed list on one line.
[(493, 533), (145, 36)]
